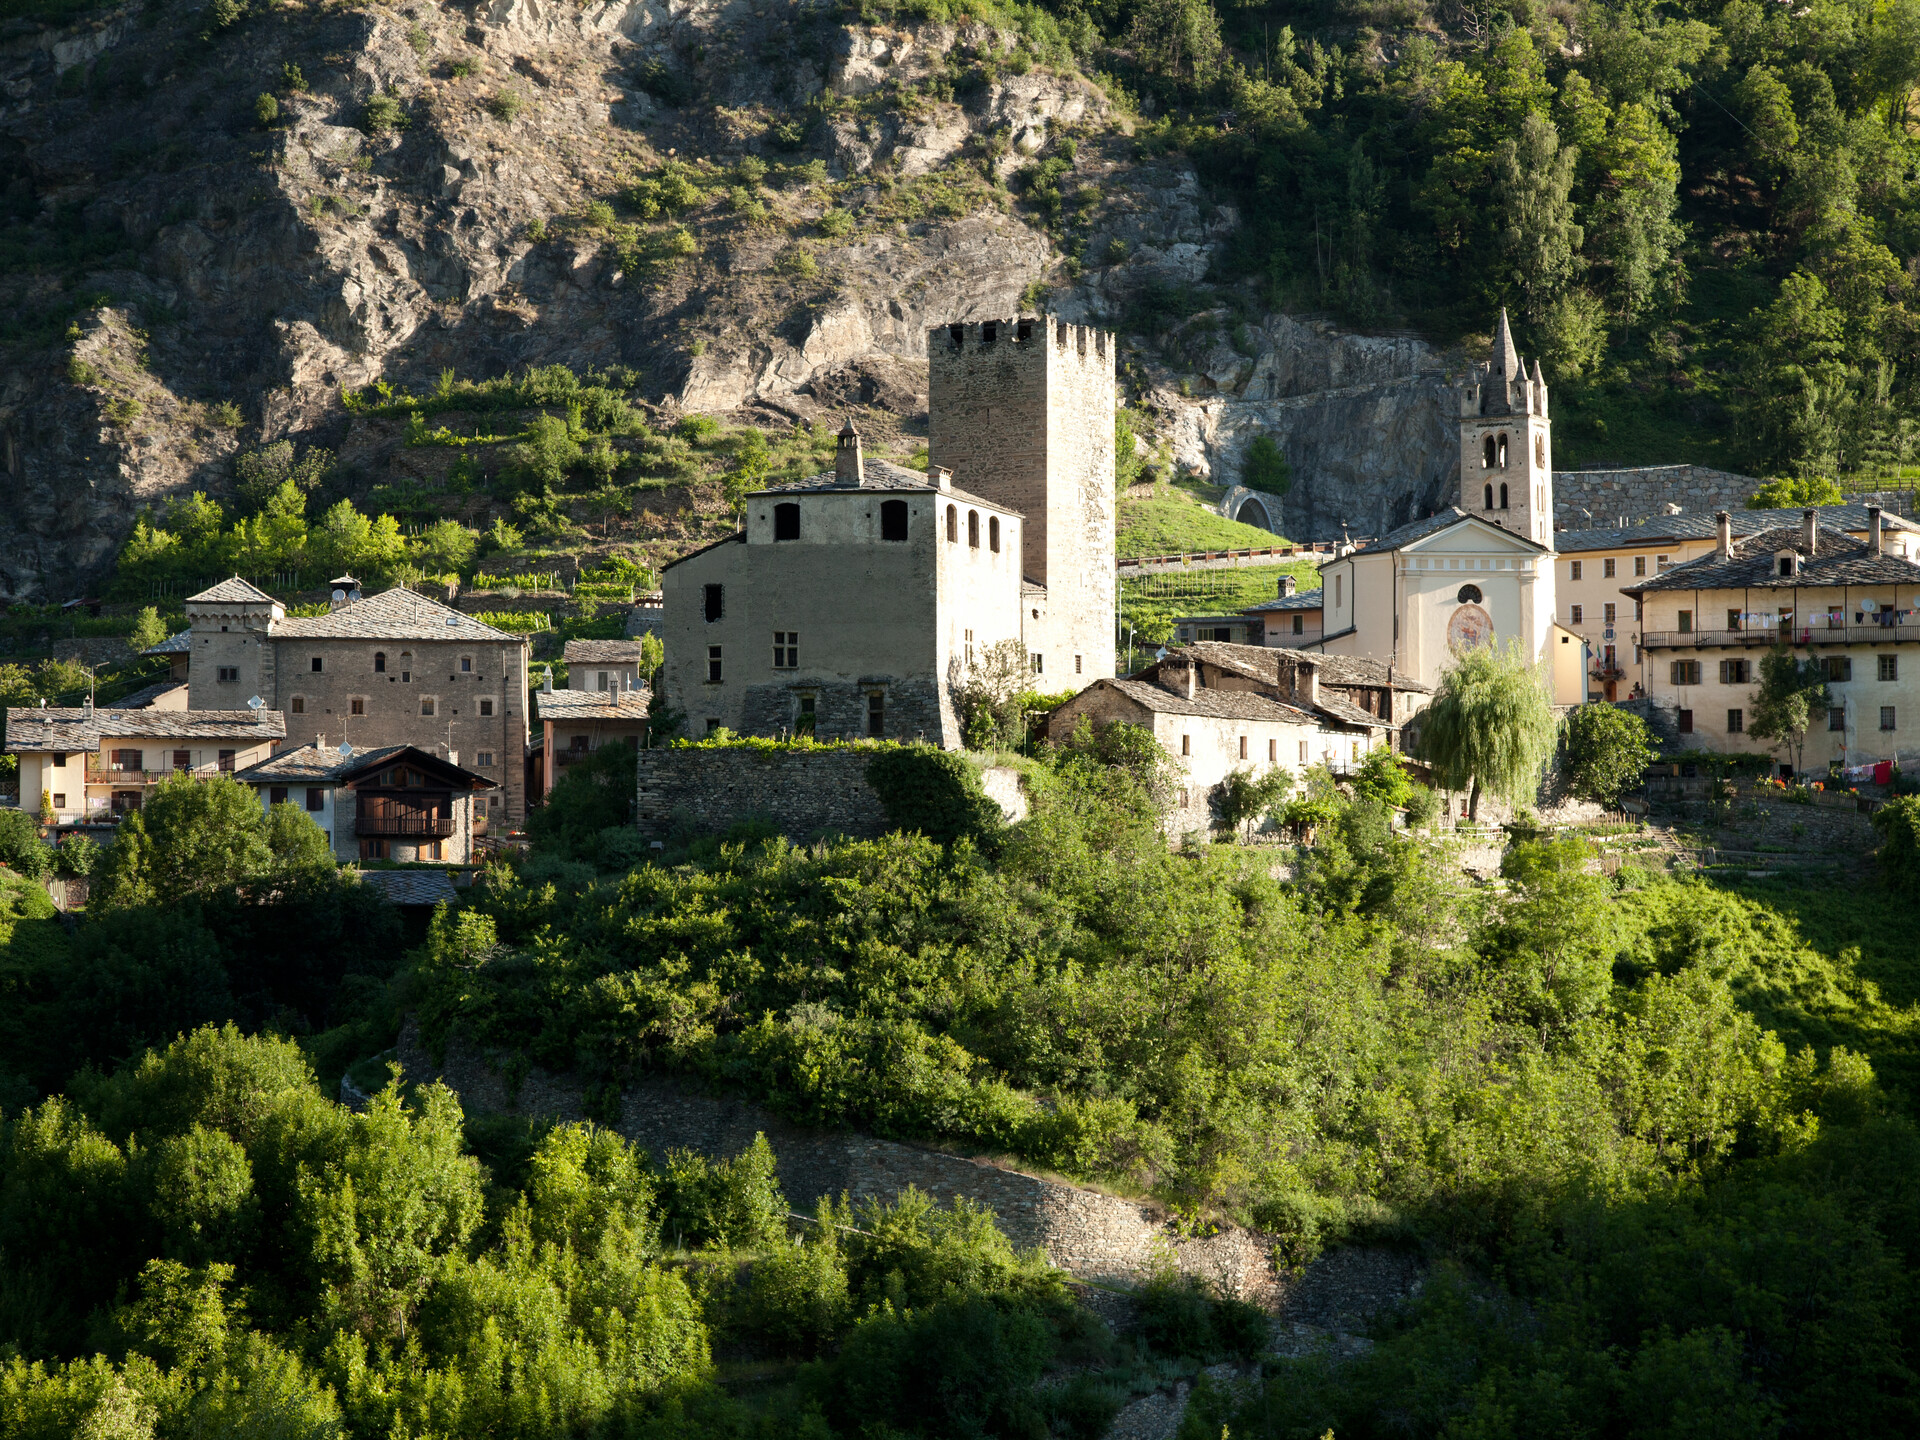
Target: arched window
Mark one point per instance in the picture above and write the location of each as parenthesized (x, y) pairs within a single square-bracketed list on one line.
[(1469, 595), (786, 521), (1489, 492), (953, 525), (973, 528), (379, 662), (993, 533), (1540, 451), (893, 520), (1503, 497), (1486, 460), (1503, 452)]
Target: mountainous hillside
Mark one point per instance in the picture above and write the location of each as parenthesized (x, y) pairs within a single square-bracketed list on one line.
[(229, 226)]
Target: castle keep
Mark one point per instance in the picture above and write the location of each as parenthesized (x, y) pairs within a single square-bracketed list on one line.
[(852, 603)]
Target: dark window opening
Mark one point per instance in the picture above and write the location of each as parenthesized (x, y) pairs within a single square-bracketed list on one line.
[(1686, 722), (786, 521), (316, 664), (183, 759), (993, 533), (803, 722), (1489, 498), (276, 795), (229, 674), (876, 714), (989, 332), (1486, 461), (1469, 595), (893, 520), (713, 665), (226, 761), (379, 662), (1503, 497), (957, 334), (316, 799), (973, 528), (953, 525), (716, 602)]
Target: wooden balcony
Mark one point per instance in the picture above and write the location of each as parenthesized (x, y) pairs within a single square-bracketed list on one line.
[(408, 815), (423, 825), (99, 774), (1800, 637)]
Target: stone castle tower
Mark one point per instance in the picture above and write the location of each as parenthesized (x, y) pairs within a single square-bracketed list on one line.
[(1506, 443), (1022, 414)]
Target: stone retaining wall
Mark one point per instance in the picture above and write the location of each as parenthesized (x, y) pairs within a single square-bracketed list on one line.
[(1092, 1236), (1647, 490), (806, 793)]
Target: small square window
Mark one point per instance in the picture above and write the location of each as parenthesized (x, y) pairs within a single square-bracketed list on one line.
[(183, 759), (1686, 722), (1576, 570), (1607, 612), (1886, 717), (226, 761), (298, 705), (426, 705), (786, 649), (316, 799), (357, 706), (1606, 569), (1736, 722), (59, 800), (316, 664), (229, 674), (1579, 614), (483, 759), (486, 708), (466, 665), (59, 762), (1889, 667), (1837, 718), (276, 794)]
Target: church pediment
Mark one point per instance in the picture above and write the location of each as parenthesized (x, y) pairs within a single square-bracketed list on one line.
[(1472, 536)]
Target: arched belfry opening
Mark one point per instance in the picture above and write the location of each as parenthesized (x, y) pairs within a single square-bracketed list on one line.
[(1487, 462)]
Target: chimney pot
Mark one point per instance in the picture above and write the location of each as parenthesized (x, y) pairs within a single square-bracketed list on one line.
[(942, 478), (1288, 585), (1308, 679), (1810, 529), (1725, 522), (847, 465), (1874, 541), (1193, 676)]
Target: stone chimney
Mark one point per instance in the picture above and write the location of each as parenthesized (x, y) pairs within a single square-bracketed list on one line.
[(1725, 522), (320, 741), (847, 466), (546, 685), (1193, 676), (1306, 681), (1874, 541), (942, 478), (1810, 530), (1288, 585)]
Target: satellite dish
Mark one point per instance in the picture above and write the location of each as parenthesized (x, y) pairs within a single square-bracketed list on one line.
[(256, 704), (1161, 653), (345, 748), (339, 597)]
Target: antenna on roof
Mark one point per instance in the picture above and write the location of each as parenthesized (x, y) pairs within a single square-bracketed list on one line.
[(345, 749)]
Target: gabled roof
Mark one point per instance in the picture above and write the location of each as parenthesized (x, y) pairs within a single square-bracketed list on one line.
[(1215, 704), (74, 727), (739, 537), (1666, 529), (1265, 662), (1305, 600), (602, 652), (396, 614), (880, 475), (318, 764), (591, 705), (231, 592), (180, 644), (412, 887), (1837, 559), (1453, 515), (143, 699)]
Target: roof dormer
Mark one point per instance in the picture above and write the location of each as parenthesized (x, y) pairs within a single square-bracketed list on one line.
[(1786, 563)]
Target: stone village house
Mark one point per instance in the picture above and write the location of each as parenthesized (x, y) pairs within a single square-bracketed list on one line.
[(392, 802), (1852, 604)]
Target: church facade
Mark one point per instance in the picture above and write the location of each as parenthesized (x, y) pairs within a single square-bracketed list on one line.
[(1480, 571)]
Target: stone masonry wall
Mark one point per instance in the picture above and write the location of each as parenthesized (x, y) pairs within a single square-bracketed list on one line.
[(1091, 1235), (1639, 493), (804, 792)]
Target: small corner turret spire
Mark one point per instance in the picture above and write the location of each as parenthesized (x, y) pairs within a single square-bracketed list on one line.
[(847, 465)]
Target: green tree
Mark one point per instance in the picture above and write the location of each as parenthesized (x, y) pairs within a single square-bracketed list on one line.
[(259, 474), (193, 838), (1795, 493), (1792, 695), (147, 631), (1633, 231), (1540, 239), (1245, 795), (1381, 777), (1898, 822), (1265, 467), (1490, 726), (21, 846), (1607, 749)]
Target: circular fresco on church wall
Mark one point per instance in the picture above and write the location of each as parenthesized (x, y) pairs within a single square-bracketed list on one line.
[(1470, 626)]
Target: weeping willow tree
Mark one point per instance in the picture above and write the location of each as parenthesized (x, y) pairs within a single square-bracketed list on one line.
[(1490, 726)]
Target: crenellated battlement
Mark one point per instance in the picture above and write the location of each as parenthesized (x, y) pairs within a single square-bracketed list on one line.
[(1027, 332)]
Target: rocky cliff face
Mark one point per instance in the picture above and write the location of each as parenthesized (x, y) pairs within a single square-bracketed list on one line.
[(192, 270)]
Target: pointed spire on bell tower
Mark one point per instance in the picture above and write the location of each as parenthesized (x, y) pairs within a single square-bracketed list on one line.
[(1505, 360)]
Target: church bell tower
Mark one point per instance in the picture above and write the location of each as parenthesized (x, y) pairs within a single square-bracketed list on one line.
[(1506, 443)]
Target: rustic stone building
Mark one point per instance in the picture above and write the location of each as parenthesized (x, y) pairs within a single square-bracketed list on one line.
[(389, 669), (392, 802)]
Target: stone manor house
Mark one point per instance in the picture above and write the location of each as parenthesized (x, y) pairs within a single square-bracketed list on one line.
[(852, 603)]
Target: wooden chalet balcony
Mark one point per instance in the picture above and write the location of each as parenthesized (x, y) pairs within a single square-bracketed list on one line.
[(426, 817), (1800, 637), (107, 774)]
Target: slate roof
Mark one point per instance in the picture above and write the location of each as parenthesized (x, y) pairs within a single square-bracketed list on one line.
[(312, 764), (1837, 560), (590, 705), (602, 652), (179, 644), (1215, 704), (142, 699), (1433, 525), (739, 537), (73, 727), (1658, 529), (396, 614), (412, 887), (880, 475), (1263, 662), (231, 592), (1305, 600)]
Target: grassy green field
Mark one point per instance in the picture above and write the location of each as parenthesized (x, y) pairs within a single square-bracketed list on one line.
[(1177, 525), (1150, 604)]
